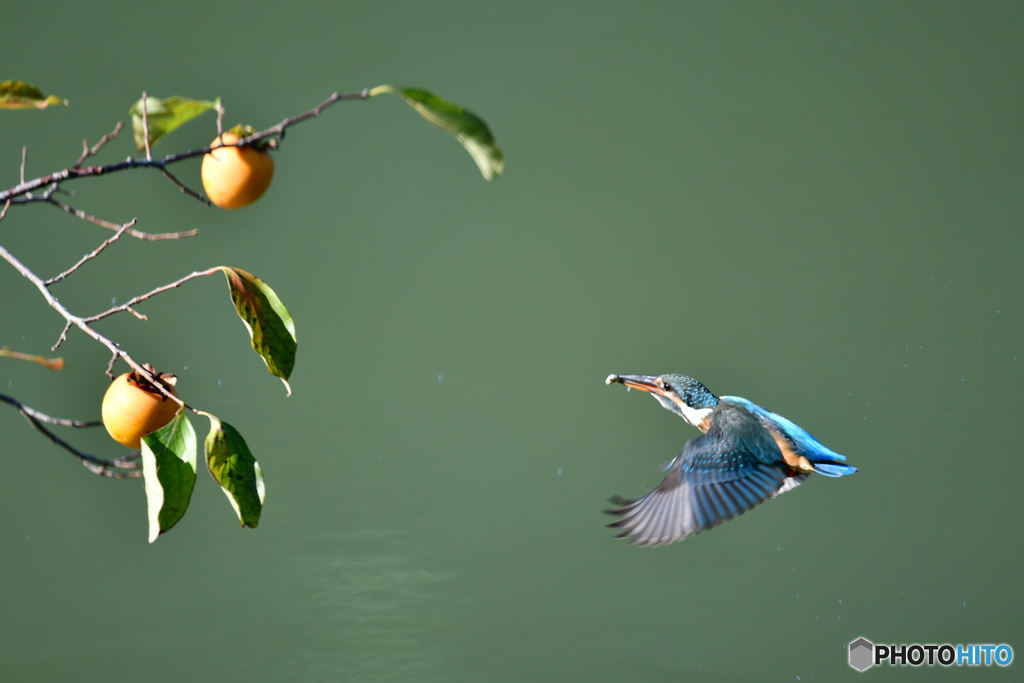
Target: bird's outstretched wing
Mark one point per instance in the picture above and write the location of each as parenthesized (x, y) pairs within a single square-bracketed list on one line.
[(735, 466)]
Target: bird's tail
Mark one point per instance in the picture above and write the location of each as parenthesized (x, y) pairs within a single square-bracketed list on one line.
[(831, 469)]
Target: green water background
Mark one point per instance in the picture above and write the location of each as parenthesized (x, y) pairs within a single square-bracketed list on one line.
[(817, 206)]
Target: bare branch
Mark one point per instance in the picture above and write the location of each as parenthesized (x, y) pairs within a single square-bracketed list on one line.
[(91, 255), (84, 325), (152, 237), (63, 336), (279, 129), (186, 190), (24, 161), (145, 127), (32, 198), (127, 461), (127, 306), (131, 162), (119, 468), (87, 152), (43, 417), (3, 213)]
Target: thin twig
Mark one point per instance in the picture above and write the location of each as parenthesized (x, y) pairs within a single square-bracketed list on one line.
[(152, 237), (24, 161), (145, 126), (220, 119), (91, 255), (63, 337), (127, 461), (44, 196), (3, 213), (130, 162), (87, 152), (107, 468), (190, 192), (279, 129), (127, 306), (83, 215), (43, 417)]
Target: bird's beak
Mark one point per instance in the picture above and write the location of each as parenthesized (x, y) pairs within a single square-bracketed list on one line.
[(641, 382)]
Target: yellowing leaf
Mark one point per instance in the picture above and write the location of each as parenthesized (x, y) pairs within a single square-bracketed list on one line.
[(22, 95), (52, 363)]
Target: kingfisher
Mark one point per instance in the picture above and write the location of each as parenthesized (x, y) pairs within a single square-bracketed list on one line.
[(746, 455)]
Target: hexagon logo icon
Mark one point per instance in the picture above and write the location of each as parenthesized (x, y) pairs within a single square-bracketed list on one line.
[(861, 654)]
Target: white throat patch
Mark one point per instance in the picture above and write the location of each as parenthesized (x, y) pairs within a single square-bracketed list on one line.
[(695, 416)]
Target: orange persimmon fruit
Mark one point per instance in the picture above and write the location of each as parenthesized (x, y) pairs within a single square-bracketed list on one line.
[(132, 407), (234, 177)]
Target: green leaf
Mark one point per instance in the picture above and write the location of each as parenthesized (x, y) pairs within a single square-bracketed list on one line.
[(234, 468), (169, 470), (163, 116), (22, 95), (269, 323), (467, 127)]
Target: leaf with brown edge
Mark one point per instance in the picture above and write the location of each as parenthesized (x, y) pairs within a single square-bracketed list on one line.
[(22, 95), (236, 470), (269, 323), (52, 363)]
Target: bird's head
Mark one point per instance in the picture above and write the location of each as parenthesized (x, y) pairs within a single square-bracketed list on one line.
[(683, 395)]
